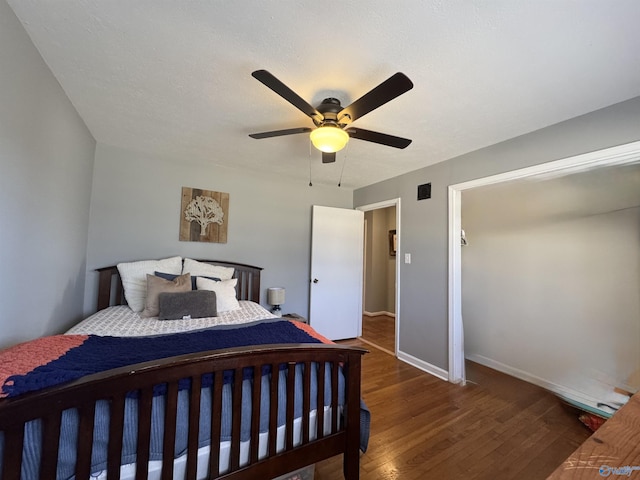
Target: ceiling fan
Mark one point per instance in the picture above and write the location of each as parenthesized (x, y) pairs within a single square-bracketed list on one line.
[(331, 118)]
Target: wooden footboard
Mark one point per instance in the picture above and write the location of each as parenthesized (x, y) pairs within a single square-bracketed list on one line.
[(137, 382)]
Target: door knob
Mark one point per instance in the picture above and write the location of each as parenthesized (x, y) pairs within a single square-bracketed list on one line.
[(315, 280)]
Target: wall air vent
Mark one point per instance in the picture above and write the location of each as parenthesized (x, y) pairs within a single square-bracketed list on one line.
[(424, 191)]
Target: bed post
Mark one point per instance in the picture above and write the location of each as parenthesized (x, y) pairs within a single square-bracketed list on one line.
[(351, 458), (104, 288)]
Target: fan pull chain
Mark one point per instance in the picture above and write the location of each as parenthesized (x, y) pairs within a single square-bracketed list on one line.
[(343, 164), (310, 184)]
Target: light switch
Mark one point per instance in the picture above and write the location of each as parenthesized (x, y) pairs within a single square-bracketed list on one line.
[(407, 258)]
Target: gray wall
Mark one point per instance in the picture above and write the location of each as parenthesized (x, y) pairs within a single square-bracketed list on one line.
[(46, 161), (135, 214), (423, 298), (390, 262), (555, 301), (380, 267)]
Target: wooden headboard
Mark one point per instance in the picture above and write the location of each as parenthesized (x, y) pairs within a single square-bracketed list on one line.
[(110, 291)]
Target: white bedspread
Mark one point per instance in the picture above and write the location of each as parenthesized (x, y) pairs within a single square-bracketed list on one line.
[(121, 321)]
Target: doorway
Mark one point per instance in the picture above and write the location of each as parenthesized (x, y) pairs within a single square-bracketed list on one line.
[(380, 319), (620, 155), (546, 262)]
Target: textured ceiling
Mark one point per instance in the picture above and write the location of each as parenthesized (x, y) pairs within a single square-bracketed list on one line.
[(173, 78)]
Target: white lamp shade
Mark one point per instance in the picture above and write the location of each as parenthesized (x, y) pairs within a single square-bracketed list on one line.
[(275, 296), (329, 138)]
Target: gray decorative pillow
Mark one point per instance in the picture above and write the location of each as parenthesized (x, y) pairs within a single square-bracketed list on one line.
[(194, 304)]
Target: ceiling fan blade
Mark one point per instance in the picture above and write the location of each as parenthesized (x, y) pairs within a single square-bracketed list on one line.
[(279, 133), (391, 88), (328, 157), (285, 92), (376, 137)]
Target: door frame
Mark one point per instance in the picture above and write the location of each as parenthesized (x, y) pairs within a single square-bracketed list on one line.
[(393, 202), (619, 155)]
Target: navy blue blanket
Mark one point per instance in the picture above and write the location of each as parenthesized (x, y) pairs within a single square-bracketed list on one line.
[(98, 354)]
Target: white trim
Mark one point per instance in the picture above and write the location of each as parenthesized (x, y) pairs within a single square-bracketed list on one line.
[(618, 155), (377, 314), (377, 346), (535, 380), (456, 332), (398, 263), (424, 366), (384, 204), (378, 205), (364, 275)]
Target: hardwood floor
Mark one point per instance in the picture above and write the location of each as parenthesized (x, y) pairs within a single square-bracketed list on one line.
[(497, 427), (380, 331)]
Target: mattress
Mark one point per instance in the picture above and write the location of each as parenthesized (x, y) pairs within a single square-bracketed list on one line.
[(121, 321), (128, 472)]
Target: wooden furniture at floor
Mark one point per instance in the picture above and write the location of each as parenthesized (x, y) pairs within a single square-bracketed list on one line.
[(111, 292), (136, 383), (612, 451)]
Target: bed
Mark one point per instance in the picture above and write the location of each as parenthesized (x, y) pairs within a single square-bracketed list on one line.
[(209, 410)]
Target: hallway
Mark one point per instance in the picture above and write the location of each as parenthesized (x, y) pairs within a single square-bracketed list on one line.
[(380, 330)]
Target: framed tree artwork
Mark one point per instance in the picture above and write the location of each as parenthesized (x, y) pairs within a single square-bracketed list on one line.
[(204, 216)]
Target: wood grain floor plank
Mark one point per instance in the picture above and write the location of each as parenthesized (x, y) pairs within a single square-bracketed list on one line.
[(380, 330), (497, 427)]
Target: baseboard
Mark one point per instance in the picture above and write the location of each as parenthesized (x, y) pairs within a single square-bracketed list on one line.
[(424, 366), (528, 377), (377, 314), (376, 346)]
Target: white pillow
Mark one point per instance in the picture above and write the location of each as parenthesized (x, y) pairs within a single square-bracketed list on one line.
[(201, 269), (134, 278), (225, 292)]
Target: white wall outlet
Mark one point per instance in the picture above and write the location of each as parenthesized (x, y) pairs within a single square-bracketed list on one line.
[(407, 258)]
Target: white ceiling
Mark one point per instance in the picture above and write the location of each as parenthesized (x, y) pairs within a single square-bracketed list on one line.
[(173, 78)]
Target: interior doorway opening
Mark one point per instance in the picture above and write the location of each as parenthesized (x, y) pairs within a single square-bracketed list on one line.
[(621, 155), (380, 319)]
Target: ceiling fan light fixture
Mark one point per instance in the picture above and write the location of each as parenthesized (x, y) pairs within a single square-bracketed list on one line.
[(329, 138)]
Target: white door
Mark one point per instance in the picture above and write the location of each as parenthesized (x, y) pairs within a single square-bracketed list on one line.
[(336, 272)]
